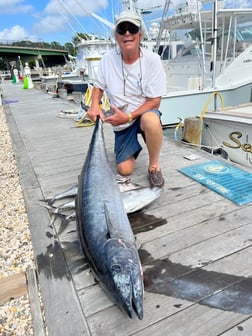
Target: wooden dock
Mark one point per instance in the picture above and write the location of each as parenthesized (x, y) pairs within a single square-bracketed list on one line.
[(196, 246)]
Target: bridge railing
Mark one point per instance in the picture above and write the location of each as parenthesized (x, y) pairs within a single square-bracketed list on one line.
[(29, 44)]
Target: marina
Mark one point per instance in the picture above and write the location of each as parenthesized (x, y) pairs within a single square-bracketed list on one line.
[(195, 244), (205, 47)]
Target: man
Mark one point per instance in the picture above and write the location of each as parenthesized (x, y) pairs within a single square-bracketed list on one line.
[(132, 77)]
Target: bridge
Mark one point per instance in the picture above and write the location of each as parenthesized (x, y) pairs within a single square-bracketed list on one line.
[(49, 56)]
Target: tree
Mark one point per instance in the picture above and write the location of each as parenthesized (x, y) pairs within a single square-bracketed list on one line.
[(56, 45), (70, 47)]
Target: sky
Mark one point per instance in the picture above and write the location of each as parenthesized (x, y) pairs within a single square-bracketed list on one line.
[(60, 20)]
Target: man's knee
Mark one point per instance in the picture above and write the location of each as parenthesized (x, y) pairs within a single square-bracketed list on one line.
[(150, 121), (126, 167)]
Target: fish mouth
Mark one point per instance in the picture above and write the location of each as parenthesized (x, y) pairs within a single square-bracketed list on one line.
[(138, 308), (130, 293), (132, 305)]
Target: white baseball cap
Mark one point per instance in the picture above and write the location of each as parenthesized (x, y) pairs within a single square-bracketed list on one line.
[(129, 16)]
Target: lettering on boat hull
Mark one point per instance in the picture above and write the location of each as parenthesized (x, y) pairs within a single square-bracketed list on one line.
[(236, 144)]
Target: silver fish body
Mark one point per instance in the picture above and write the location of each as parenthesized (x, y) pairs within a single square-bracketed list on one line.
[(106, 236), (136, 199)]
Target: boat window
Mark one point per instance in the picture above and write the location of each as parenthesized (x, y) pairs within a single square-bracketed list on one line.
[(165, 53), (192, 50), (246, 34), (179, 47)]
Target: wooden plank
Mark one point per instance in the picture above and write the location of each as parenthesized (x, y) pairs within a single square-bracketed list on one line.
[(115, 322), (35, 302), (196, 320), (12, 287), (244, 328), (197, 245), (169, 317), (236, 263)]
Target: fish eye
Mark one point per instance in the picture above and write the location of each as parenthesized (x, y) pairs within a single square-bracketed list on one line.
[(116, 268)]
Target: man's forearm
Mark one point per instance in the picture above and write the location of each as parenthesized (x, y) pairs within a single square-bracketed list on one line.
[(96, 96), (150, 104)]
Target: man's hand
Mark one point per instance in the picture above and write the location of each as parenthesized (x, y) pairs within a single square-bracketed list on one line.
[(118, 117), (95, 111)]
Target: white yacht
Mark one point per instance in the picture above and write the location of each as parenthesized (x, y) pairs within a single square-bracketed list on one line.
[(218, 62)]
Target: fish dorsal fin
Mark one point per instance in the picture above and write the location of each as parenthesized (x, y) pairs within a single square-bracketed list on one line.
[(112, 232)]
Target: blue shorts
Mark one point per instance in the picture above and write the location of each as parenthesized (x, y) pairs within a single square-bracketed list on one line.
[(126, 142)]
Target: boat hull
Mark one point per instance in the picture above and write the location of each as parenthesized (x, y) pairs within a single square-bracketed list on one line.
[(181, 105), (229, 132)]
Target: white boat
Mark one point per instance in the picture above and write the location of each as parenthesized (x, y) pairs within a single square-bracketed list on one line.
[(60, 73), (222, 97), (227, 132), (4, 75), (219, 63), (90, 51), (73, 85)]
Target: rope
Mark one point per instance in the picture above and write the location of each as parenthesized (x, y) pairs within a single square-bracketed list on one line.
[(215, 93), (105, 105)]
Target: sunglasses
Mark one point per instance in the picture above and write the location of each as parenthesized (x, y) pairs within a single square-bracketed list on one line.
[(131, 28)]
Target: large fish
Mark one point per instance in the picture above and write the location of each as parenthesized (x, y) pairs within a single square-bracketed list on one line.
[(134, 199), (106, 236)]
